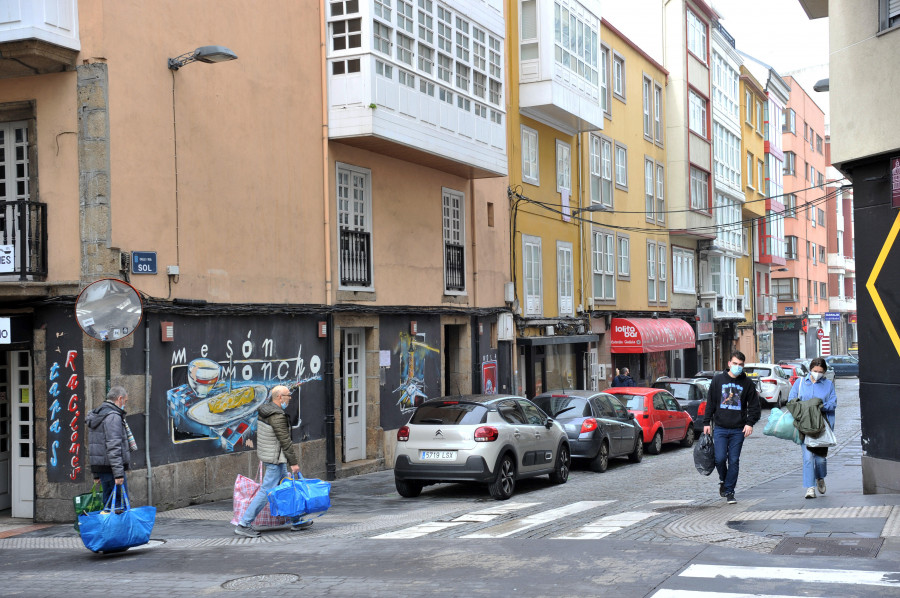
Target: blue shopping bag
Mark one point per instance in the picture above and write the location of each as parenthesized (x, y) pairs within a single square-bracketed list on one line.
[(781, 425), (109, 530), (302, 496)]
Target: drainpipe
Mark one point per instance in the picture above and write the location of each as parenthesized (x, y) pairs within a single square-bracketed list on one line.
[(330, 467), (147, 409)]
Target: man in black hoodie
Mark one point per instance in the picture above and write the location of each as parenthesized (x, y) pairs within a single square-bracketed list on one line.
[(733, 406)]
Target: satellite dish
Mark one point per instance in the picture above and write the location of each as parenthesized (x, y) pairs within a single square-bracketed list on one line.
[(109, 309)]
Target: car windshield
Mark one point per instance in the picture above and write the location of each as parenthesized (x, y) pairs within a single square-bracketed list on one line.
[(633, 402), (450, 414), (757, 371), (575, 406), (680, 390)]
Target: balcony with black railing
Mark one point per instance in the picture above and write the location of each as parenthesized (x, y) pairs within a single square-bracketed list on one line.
[(454, 267), (355, 258), (23, 240)]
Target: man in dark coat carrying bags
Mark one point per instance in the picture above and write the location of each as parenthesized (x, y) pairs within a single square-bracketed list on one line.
[(110, 443), (276, 451)]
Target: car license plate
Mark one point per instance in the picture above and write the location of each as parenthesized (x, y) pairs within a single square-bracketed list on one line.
[(438, 455)]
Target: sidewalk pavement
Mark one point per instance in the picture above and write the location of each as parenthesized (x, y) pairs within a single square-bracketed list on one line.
[(773, 517)]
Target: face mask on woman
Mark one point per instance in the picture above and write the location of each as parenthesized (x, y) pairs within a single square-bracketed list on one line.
[(815, 376)]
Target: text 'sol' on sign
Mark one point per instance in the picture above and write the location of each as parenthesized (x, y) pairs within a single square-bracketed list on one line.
[(5, 332), (143, 262), (7, 258)]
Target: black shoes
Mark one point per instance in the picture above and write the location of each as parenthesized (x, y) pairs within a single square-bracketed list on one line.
[(730, 499), (722, 489)]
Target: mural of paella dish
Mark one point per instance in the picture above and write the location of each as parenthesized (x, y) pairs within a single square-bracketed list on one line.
[(225, 407)]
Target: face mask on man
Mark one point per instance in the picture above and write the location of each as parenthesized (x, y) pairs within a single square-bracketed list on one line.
[(815, 376), (736, 370)]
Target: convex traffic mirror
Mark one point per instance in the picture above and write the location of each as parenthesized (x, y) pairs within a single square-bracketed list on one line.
[(109, 309)]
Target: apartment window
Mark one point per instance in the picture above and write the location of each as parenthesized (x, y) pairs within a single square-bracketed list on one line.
[(790, 247), (790, 162), (651, 272), (426, 59), (604, 79), (649, 189), (815, 289), (821, 215), (405, 49), (619, 76), (383, 9), (661, 275), (699, 189), (601, 171), (528, 38), (750, 162), (820, 180), (576, 42), (479, 49), (696, 35), (624, 257), (730, 228), (454, 241), (426, 21), (564, 279), (813, 254), (404, 16), (445, 33), (761, 176), (343, 67), (445, 95), (385, 70), (563, 166), (786, 289), (888, 14), (660, 194), (822, 254), (462, 77), (790, 205), (723, 279), (648, 121), (812, 140), (445, 68), (697, 113), (604, 265), (759, 117), (531, 270), (381, 38), (621, 166), (658, 114), (818, 144), (823, 290), (495, 92), (748, 107), (462, 39), (727, 153), (683, 271), (530, 156), (812, 216), (353, 191), (426, 87), (346, 34), (479, 84), (789, 123), (725, 87)]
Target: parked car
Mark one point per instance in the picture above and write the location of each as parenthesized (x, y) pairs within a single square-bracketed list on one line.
[(691, 394), (491, 439), (661, 417), (773, 382), (597, 424), (793, 370), (843, 365)]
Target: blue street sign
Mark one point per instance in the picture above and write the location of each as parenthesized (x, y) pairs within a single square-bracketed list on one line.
[(143, 262), (832, 316)]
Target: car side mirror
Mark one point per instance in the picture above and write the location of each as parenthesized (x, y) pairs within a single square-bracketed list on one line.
[(549, 423), (630, 415)]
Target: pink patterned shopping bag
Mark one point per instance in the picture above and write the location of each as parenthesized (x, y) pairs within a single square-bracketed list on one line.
[(244, 491)]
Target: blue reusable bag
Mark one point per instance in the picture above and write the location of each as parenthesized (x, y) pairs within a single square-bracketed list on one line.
[(295, 497), (781, 425), (108, 530)]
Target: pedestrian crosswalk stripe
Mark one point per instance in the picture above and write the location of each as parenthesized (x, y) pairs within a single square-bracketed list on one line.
[(697, 594), (509, 528), (417, 531), (889, 579), (492, 513), (606, 526)]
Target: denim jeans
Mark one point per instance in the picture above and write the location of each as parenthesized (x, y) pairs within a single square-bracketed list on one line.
[(728, 443), (814, 466), (108, 482), (272, 475)]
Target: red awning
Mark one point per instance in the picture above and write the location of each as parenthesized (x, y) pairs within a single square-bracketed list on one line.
[(648, 335)]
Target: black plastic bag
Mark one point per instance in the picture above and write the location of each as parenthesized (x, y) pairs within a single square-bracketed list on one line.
[(704, 455)]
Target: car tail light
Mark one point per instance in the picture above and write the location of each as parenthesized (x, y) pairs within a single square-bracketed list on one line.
[(588, 425), (701, 408), (403, 434), (486, 434), (769, 381)]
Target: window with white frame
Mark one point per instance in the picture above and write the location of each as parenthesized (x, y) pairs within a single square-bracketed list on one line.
[(604, 79), (696, 35), (699, 189), (790, 205), (730, 228), (531, 275), (564, 279), (661, 278), (383, 9), (725, 87), (790, 247), (381, 38), (529, 46), (619, 76), (604, 265), (660, 194), (727, 154), (345, 26), (697, 113), (748, 107), (454, 241), (601, 171), (683, 280), (354, 204), (621, 166), (405, 16), (404, 48), (750, 161), (649, 189), (760, 121), (761, 176), (624, 256), (577, 41), (651, 272), (789, 123), (888, 14), (563, 166), (530, 156), (723, 278), (647, 99), (658, 113)]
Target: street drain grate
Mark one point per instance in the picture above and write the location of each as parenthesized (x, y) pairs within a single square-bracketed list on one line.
[(852, 547), (257, 582)]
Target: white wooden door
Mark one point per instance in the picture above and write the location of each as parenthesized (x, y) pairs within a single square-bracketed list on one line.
[(354, 400), (5, 435), (22, 461)]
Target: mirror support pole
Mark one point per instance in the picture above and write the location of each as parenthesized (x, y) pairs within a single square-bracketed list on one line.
[(106, 346)]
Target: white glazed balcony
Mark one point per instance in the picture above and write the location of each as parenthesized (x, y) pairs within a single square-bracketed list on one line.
[(38, 36), (841, 304), (839, 264)]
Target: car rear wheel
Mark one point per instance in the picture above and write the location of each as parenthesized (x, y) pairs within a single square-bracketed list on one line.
[(561, 472), (654, 447), (408, 488), (638, 453), (688, 439), (505, 480), (601, 461)]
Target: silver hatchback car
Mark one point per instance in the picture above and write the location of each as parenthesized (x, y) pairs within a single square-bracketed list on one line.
[(491, 439)]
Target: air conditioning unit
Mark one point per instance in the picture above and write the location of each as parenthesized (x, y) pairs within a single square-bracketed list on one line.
[(549, 331)]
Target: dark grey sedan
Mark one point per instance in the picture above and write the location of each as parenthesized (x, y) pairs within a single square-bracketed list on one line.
[(598, 425)]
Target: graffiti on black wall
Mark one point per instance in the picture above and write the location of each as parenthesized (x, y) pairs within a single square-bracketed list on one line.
[(413, 351), (414, 373)]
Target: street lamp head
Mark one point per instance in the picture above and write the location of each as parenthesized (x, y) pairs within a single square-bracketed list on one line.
[(822, 85), (207, 54), (591, 208)]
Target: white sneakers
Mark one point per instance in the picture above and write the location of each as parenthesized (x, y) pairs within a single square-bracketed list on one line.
[(820, 485), (810, 493)]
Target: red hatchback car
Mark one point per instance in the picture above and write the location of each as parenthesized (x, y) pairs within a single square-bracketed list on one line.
[(793, 371), (661, 417)]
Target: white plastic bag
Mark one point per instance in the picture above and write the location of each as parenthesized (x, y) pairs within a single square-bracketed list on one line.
[(825, 439)]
